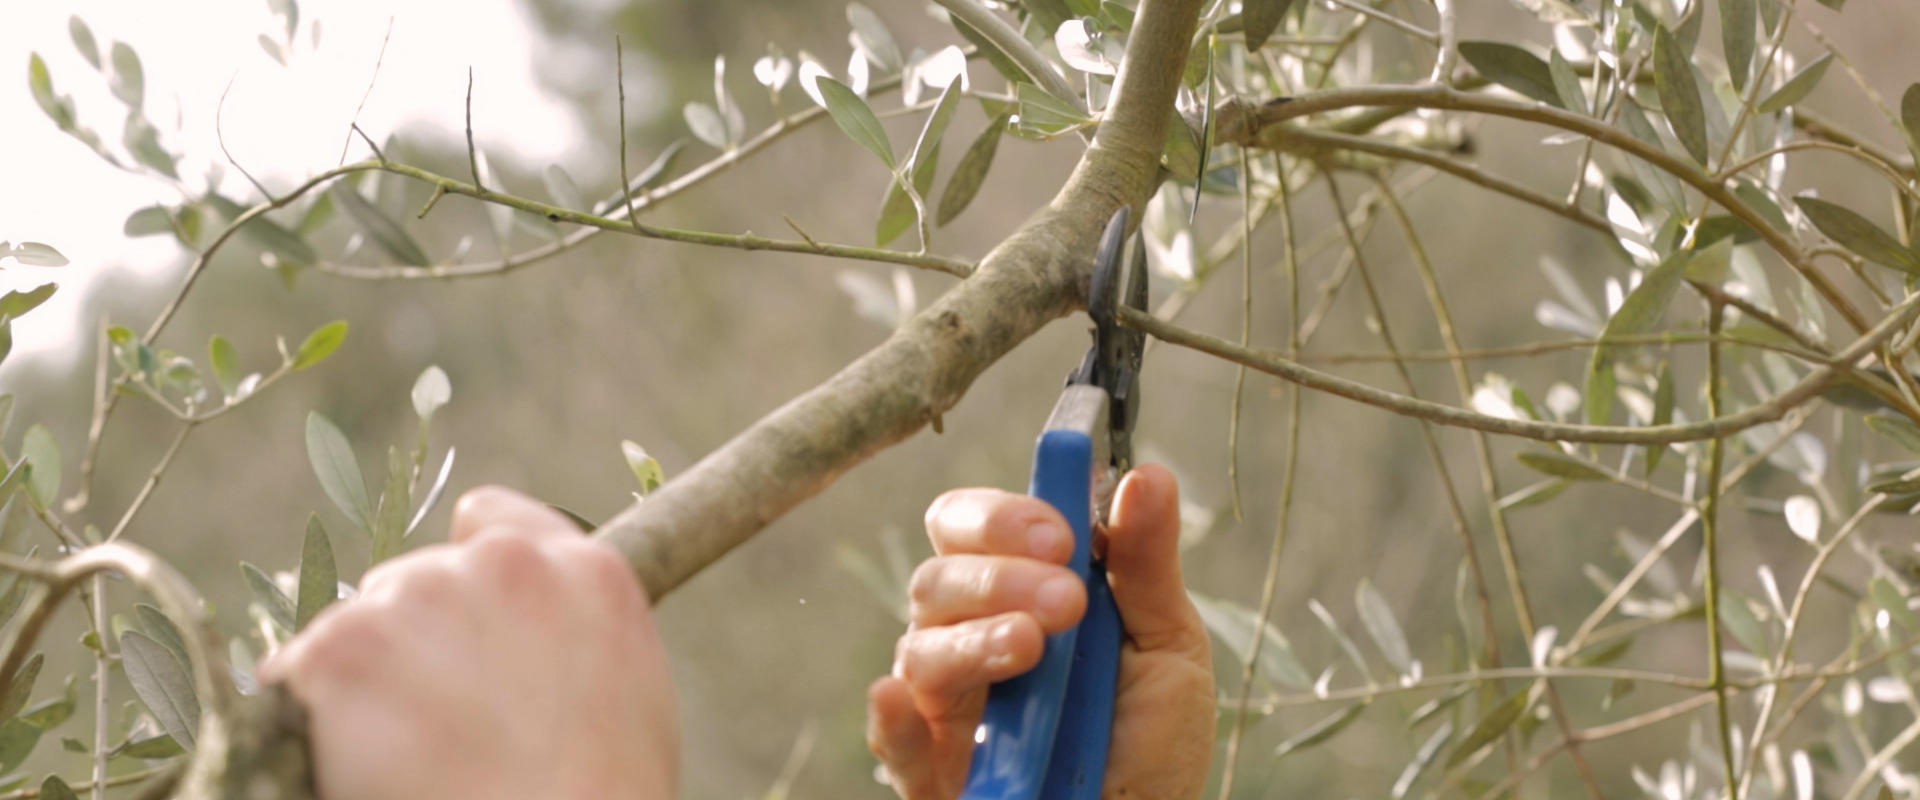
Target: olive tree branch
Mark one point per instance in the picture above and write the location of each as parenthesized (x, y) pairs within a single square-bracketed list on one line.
[(1033, 277), (553, 213), (1293, 371), (1267, 129)]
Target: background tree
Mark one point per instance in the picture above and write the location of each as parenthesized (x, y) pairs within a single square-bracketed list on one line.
[(1733, 302)]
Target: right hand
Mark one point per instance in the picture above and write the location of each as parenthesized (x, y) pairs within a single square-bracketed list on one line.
[(982, 606)]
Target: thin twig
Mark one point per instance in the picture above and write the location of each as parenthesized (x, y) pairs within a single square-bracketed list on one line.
[(1270, 584), (153, 480), (1291, 370), (1443, 61), (1246, 333), (378, 156), (378, 59), (473, 156), (741, 241), (220, 137), (620, 85), (1710, 547)]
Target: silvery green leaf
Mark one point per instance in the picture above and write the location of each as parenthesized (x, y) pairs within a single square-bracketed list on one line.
[(1377, 616), (163, 684), (1261, 18), (431, 391), (855, 118), (706, 124), (433, 493), (319, 344), (83, 40), (333, 462), (1797, 87), (319, 579), (1234, 626), (645, 467), (1850, 230), (1513, 67), (871, 35), (39, 450), (971, 172), (1679, 95), (128, 81), (35, 254)]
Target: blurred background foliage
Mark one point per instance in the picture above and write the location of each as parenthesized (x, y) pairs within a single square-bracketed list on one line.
[(677, 347)]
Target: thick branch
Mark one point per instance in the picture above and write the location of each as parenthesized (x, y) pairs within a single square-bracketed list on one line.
[(1033, 277)]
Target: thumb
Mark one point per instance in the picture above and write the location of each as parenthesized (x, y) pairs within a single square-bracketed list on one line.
[(1143, 563)]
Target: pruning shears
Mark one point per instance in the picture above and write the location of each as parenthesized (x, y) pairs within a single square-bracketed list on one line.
[(1044, 733)]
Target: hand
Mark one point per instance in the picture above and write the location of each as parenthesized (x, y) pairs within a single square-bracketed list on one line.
[(980, 609), (520, 660)]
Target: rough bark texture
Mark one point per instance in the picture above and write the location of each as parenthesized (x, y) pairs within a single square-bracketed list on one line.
[(1033, 277)]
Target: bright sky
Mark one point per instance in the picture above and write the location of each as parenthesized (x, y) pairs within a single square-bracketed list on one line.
[(282, 122)]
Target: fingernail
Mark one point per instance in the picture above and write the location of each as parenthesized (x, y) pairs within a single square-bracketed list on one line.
[(1043, 539), (1055, 597)]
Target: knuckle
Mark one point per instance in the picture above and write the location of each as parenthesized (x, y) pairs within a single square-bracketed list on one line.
[(342, 645), (509, 559), (604, 572), (480, 498), (924, 586)]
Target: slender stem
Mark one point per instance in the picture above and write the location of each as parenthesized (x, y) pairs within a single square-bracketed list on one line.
[(1542, 348), (1443, 62), (378, 59), (1370, 11), (1895, 178), (153, 480), (620, 84), (742, 241), (102, 671), (1881, 759), (1269, 129), (103, 402), (1309, 139), (1271, 582), (473, 154), (1457, 511), (1586, 632), (1246, 333), (1291, 370), (1710, 545), (31, 792)]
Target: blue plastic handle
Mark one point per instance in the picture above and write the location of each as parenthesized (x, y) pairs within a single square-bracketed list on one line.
[(1044, 733)]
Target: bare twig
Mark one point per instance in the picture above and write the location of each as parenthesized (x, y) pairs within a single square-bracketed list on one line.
[(220, 137), (473, 156), (1290, 370), (378, 59), (620, 86)]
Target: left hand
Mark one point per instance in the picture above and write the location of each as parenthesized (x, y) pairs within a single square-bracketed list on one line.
[(520, 660)]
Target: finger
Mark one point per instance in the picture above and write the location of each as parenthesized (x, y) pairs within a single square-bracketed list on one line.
[(1143, 563), (946, 663), (1000, 523), (950, 589), (498, 506), (900, 737)]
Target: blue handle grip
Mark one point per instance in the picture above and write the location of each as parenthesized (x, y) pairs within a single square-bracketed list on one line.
[(1044, 733)]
